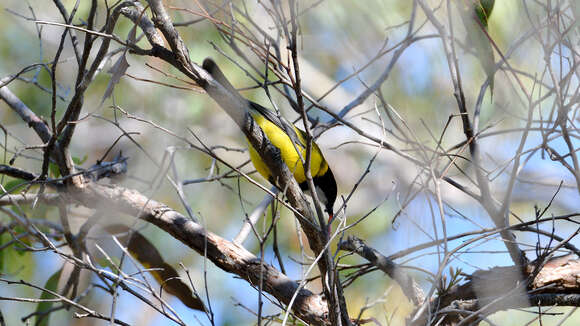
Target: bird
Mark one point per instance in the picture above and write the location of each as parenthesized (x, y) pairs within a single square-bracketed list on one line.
[(288, 139)]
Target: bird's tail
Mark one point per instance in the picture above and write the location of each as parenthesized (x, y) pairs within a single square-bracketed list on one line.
[(210, 66)]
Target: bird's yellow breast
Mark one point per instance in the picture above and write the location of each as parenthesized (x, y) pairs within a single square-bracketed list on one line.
[(281, 140)]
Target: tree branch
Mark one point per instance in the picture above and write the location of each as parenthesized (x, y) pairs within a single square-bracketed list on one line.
[(227, 255)]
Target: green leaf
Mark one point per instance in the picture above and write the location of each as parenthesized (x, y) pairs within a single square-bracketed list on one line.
[(54, 170), (476, 35), (10, 255), (12, 186), (51, 284), (483, 9), (4, 238), (18, 230), (79, 161), (112, 264)]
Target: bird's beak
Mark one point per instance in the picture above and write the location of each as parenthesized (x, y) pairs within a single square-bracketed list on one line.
[(330, 217), (328, 225)]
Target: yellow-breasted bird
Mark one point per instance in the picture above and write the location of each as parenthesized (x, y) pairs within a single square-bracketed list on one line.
[(287, 138)]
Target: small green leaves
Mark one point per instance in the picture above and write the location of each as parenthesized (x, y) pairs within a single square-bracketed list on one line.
[(79, 161), (483, 9), (51, 284)]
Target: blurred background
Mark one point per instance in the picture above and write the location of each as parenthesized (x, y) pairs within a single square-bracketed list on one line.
[(337, 39)]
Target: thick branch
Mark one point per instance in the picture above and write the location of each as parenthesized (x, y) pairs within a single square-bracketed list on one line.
[(486, 292), (229, 256), (26, 114), (21, 199)]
